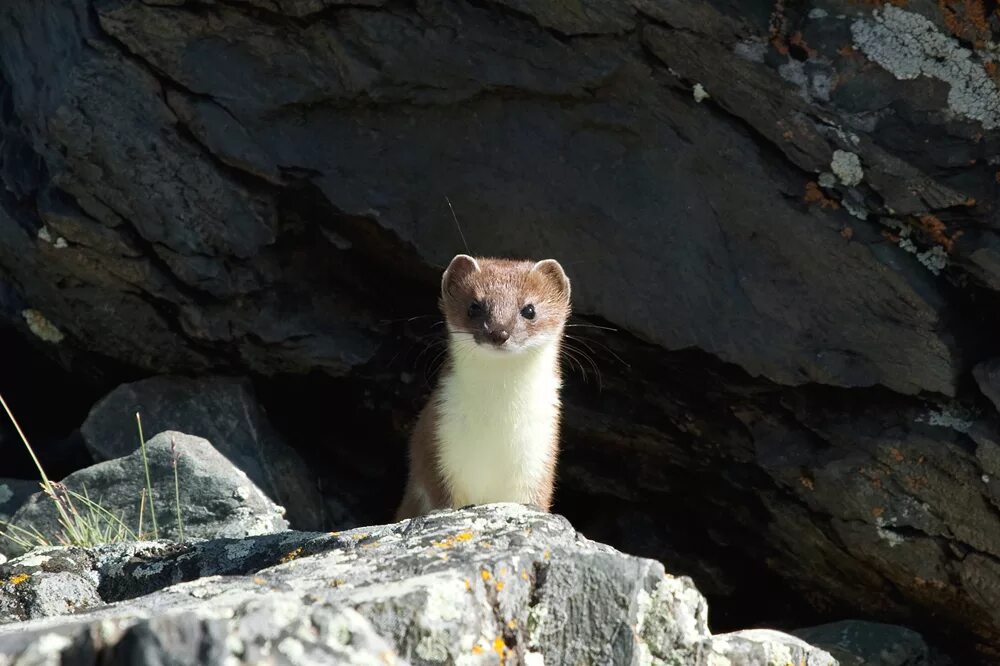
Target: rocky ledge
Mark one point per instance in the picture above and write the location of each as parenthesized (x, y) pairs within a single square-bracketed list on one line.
[(485, 585)]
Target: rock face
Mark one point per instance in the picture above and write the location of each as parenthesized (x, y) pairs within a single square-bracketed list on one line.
[(492, 583), (788, 211), (222, 410), (217, 499), (13, 493)]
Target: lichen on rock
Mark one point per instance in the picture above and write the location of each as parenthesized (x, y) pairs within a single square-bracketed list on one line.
[(909, 45)]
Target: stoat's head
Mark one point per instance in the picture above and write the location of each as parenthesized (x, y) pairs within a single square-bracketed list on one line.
[(505, 306)]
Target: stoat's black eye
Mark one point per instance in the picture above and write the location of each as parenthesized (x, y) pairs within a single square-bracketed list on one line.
[(475, 310), (528, 311)]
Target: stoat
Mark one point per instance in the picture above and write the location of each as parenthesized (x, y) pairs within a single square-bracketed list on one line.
[(490, 431)]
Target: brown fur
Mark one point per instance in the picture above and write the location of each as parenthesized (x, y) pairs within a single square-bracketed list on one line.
[(503, 287)]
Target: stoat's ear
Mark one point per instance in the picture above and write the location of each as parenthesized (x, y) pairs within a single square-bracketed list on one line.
[(461, 266), (551, 269)]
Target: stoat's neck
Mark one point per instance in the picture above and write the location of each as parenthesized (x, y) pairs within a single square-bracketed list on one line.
[(490, 370)]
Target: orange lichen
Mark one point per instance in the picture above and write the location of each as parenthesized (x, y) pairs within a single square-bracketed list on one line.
[(807, 482), (486, 575), (452, 540), (896, 454), (815, 195), (500, 586), (512, 624), (294, 555), (878, 511), (17, 579), (847, 233), (797, 41), (777, 28), (500, 648), (477, 649), (468, 584), (966, 19), (936, 230)]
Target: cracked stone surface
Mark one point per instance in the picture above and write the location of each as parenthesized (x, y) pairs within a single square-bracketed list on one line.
[(257, 186), (493, 583)]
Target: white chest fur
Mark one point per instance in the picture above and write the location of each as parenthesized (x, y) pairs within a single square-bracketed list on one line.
[(498, 415)]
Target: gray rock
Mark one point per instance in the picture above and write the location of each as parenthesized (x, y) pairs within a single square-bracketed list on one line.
[(490, 583), (14, 493), (859, 643), (987, 376), (44, 594), (224, 411), (216, 498)]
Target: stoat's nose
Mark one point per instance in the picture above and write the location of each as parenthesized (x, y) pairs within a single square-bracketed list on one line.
[(499, 336)]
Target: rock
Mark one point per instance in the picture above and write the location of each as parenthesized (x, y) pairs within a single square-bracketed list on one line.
[(987, 376), (859, 643), (27, 596), (222, 410), (474, 586), (216, 498), (14, 493)]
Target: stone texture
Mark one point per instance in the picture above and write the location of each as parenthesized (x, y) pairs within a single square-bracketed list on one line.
[(13, 493), (224, 411), (859, 643), (498, 582), (217, 499), (799, 326)]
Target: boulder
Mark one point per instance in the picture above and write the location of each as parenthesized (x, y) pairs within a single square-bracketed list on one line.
[(491, 583), (223, 410), (860, 643), (216, 498), (14, 493)]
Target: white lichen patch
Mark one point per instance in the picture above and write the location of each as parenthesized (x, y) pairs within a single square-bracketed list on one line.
[(699, 92), (45, 235), (888, 535), (42, 327), (5, 493), (847, 167), (534, 659), (854, 209), (934, 259), (751, 49), (946, 418), (33, 560), (674, 611), (908, 45), (239, 550)]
